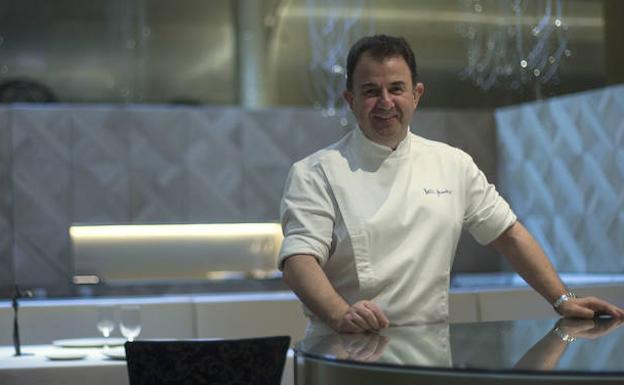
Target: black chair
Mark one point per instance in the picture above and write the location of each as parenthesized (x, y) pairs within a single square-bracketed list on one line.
[(257, 361)]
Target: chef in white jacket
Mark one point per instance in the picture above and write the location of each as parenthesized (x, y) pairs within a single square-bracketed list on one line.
[(371, 223)]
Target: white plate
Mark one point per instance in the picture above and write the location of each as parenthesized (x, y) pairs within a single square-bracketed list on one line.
[(89, 342), (115, 353), (62, 355)]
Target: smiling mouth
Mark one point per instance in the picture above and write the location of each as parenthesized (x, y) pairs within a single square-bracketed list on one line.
[(385, 118), (385, 115)]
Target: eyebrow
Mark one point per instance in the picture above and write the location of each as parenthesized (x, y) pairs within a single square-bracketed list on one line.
[(373, 85)]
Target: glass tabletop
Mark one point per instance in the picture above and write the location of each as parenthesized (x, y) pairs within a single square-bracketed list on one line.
[(565, 346)]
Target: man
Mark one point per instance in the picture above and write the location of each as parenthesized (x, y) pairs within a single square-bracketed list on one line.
[(371, 222)]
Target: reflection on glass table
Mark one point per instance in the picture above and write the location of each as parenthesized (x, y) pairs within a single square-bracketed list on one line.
[(547, 352), (563, 347), (422, 345)]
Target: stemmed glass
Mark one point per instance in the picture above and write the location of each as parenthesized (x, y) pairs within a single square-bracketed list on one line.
[(106, 321), (130, 324)]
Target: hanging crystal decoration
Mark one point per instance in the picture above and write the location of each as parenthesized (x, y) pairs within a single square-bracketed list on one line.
[(514, 43), (333, 27)]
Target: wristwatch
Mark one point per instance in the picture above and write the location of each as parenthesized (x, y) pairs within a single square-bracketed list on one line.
[(564, 297), (564, 336)]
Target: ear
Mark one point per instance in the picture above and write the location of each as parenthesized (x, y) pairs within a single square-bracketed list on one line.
[(348, 95), (418, 91)]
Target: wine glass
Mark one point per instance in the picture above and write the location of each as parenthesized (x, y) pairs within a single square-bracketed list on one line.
[(130, 324), (106, 321)]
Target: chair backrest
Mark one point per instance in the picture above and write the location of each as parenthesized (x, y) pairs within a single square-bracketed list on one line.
[(246, 361)]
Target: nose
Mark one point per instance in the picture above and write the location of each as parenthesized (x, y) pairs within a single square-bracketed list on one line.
[(385, 100)]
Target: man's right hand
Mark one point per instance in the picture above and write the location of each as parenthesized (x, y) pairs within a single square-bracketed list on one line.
[(360, 317), (305, 277)]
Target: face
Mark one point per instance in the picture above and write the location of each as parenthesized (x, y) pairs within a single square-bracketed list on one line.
[(383, 98)]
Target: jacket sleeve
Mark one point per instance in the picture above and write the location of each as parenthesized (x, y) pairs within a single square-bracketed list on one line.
[(307, 214), (487, 215)]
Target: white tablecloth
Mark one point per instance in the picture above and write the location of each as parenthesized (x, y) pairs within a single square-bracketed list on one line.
[(95, 369), (35, 368)]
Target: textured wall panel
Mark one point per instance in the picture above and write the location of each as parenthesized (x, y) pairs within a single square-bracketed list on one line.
[(41, 180), (271, 144), (158, 140), (142, 164), (562, 167), (312, 131), (471, 130), (214, 161), (267, 155), (99, 166), (6, 230)]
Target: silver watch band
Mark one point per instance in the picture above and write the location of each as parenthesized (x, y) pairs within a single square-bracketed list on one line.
[(564, 297), (564, 336)]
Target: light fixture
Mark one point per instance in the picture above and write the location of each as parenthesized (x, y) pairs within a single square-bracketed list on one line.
[(173, 251), (514, 43)]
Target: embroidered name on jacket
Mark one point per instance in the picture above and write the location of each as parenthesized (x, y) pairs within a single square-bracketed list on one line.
[(437, 191)]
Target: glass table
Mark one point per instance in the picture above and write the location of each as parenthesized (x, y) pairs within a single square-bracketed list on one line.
[(514, 352)]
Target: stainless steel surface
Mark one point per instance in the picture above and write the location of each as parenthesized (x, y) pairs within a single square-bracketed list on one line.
[(431, 27), (158, 51), (121, 51)]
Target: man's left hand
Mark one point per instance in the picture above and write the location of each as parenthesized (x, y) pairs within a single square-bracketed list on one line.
[(588, 328), (589, 307)]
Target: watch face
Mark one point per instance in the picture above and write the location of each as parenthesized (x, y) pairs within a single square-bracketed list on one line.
[(565, 297)]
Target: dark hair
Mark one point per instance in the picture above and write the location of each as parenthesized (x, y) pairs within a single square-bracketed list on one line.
[(380, 47)]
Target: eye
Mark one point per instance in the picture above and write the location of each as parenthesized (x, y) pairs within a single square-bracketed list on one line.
[(397, 90), (371, 92)]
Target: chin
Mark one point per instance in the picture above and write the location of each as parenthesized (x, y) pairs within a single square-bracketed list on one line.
[(388, 131)]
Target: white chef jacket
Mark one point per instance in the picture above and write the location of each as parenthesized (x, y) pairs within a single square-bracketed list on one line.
[(384, 224)]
